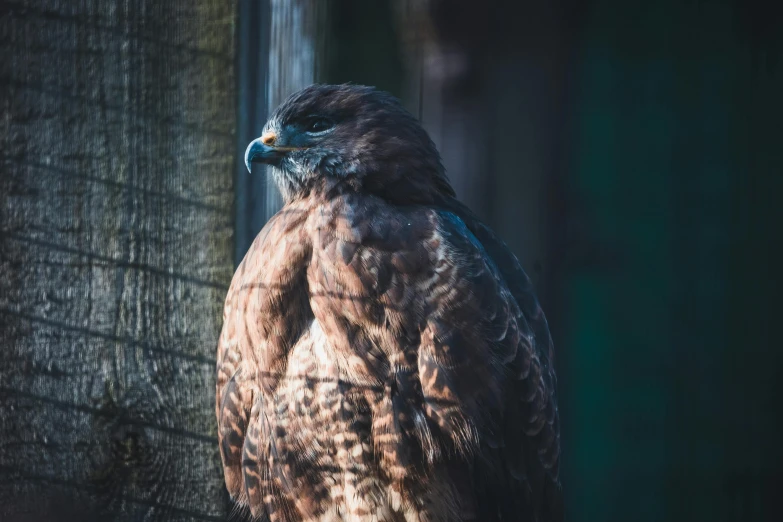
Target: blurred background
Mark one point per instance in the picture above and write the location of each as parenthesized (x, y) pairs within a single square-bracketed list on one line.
[(631, 154)]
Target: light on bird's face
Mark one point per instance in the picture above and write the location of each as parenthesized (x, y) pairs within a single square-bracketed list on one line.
[(276, 145)]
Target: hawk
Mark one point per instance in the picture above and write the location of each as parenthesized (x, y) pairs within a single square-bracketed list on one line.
[(383, 356)]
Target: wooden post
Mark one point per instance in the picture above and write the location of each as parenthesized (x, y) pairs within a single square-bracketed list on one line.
[(117, 145)]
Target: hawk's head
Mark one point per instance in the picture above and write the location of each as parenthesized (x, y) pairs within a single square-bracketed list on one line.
[(328, 135)]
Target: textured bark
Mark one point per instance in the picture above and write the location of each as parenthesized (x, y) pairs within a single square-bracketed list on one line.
[(115, 254)]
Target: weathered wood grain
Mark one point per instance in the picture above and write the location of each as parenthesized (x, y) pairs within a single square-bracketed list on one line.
[(116, 146)]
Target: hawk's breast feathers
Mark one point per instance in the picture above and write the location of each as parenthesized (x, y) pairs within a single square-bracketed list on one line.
[(385, 362)]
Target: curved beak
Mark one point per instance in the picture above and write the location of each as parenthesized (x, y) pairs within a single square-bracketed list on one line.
[(265, 150), (259, 152)]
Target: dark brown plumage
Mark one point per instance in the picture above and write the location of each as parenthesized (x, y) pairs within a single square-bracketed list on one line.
[(383, 356)]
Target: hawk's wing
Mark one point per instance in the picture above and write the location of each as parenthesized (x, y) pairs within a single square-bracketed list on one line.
[(516, 472), (535, 462)]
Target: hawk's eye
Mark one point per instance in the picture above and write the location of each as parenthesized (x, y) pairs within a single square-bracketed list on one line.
[(316, 125)]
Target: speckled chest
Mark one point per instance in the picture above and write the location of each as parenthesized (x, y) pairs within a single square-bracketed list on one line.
[(335, 431)]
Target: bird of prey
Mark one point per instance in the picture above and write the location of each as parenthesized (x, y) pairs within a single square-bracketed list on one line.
[(383, 356)]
